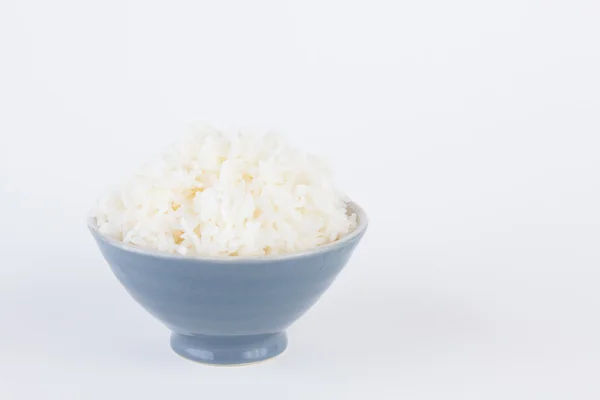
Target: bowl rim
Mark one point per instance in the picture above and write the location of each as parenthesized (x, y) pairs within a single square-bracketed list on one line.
[(362, 223)]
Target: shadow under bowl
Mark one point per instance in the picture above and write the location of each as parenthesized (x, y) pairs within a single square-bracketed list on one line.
[(228, 310)]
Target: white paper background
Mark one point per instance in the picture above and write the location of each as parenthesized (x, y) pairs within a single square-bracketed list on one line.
[(468, 130)]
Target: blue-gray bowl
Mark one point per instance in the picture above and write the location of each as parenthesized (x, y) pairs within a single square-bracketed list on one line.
[(228, 310)]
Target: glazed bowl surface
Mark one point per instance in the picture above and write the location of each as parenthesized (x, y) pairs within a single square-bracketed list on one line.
[(228, 310)]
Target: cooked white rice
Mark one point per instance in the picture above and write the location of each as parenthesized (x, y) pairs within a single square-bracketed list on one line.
[(231, 195)]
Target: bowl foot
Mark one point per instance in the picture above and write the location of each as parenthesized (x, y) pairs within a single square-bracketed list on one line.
[(229, 350)]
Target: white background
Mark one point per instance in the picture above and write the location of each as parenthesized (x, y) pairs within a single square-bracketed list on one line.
[(468, 130)]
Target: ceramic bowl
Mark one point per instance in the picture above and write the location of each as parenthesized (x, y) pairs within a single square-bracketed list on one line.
[(228, 310)]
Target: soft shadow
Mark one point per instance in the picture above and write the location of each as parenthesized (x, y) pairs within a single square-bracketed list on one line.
[(391, 328)]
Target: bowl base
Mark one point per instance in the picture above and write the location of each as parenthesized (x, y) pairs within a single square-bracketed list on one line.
[(229, 350)]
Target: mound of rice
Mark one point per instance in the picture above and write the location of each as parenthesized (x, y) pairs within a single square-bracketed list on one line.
[(232, 195)]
